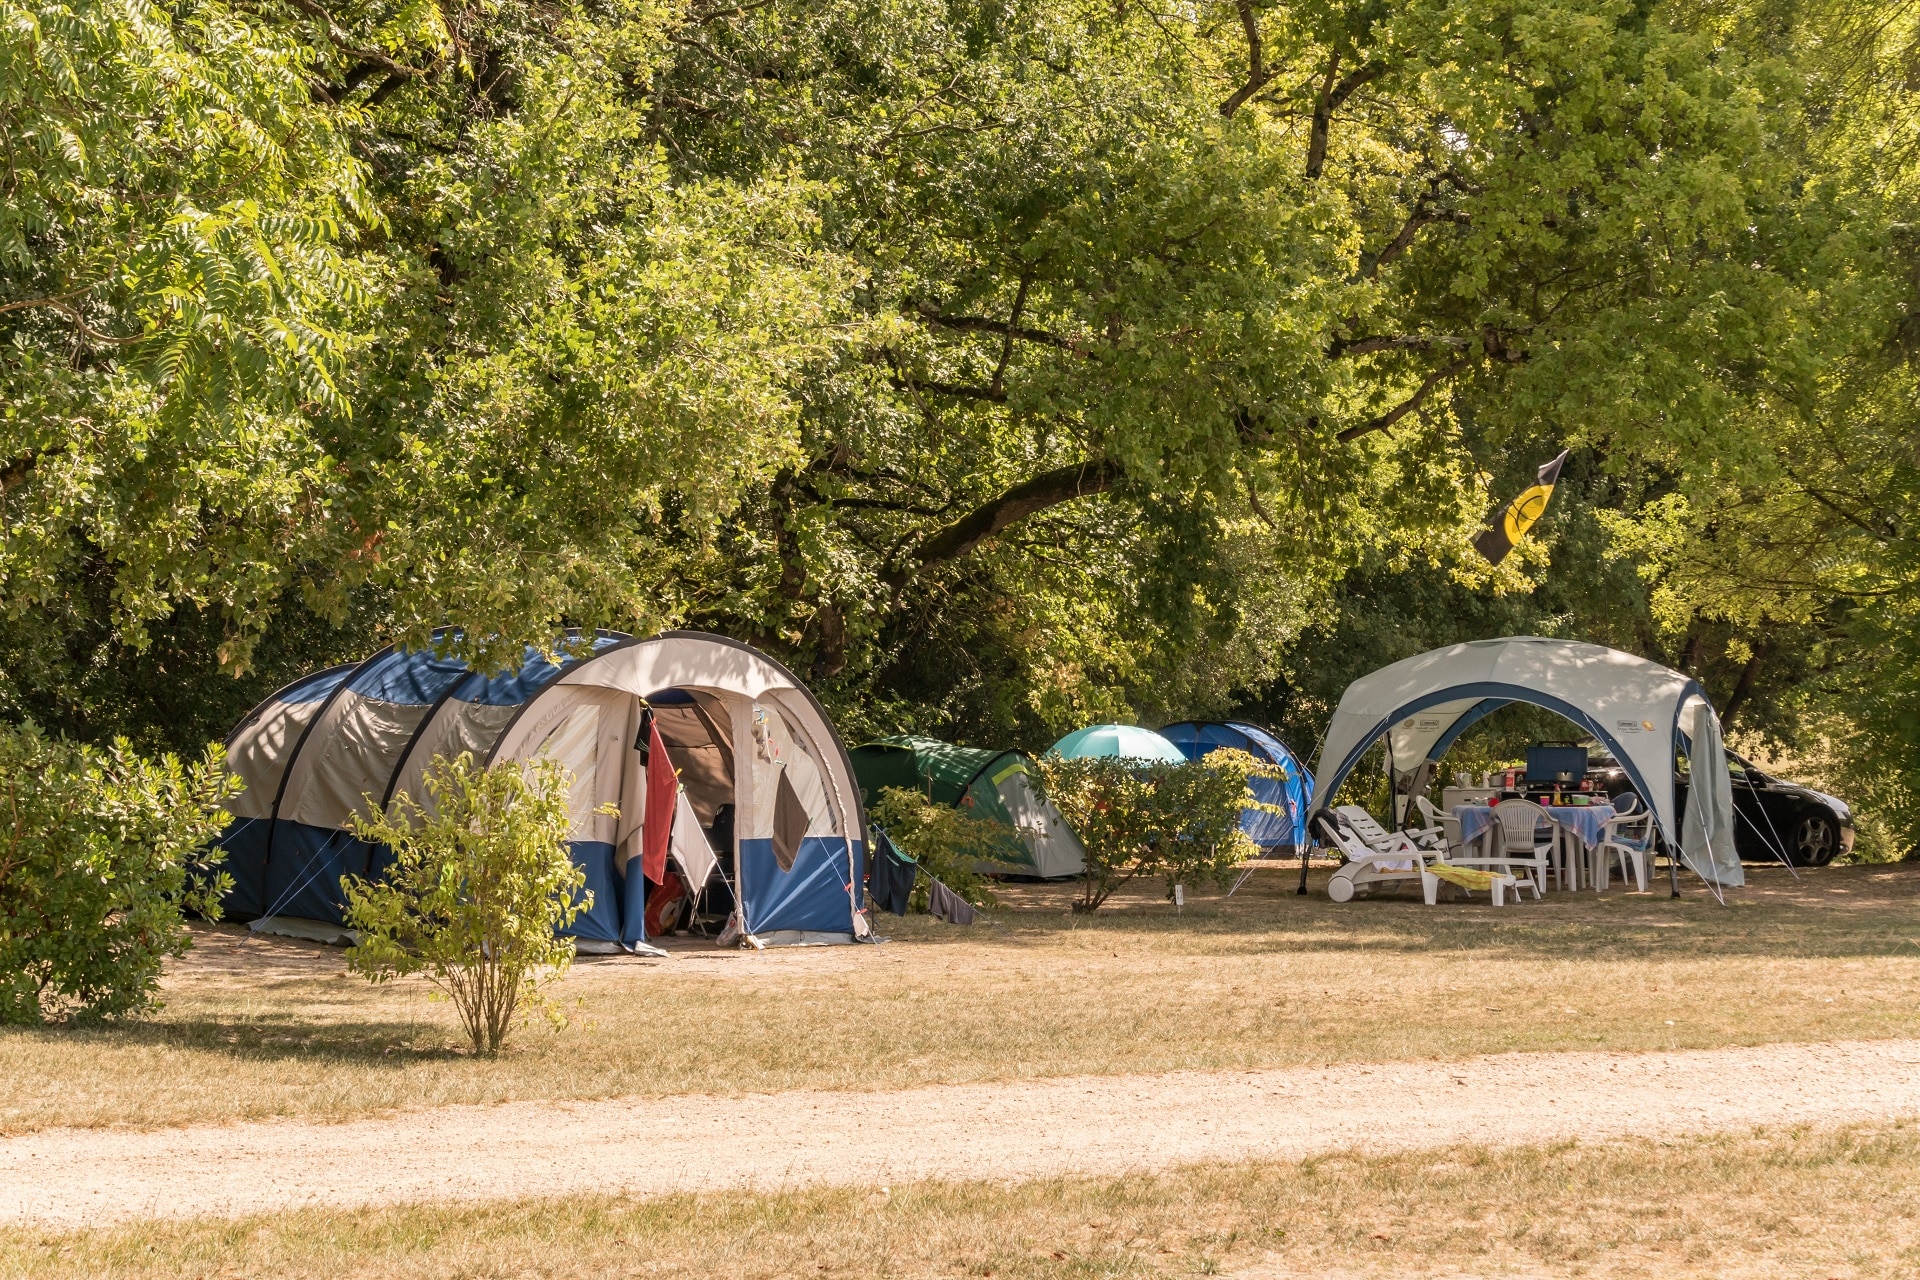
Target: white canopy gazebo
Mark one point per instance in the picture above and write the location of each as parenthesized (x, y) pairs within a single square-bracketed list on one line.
[(1643, 712)]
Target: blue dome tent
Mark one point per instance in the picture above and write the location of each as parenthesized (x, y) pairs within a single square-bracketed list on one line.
[(1274, 832), (746, 737)]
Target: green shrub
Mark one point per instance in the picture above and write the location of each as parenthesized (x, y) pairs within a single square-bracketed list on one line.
[(480, 885), (946, 841), (105, 853), (1178, 821)]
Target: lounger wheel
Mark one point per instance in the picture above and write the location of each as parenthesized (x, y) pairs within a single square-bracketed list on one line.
[(1340, 888)]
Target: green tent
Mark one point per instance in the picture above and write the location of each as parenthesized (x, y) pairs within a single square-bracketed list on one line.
[(992, 784)]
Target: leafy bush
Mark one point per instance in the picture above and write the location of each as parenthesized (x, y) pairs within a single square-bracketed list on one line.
[(480, 886), (106, 852), (1177, 821), (946, 841)]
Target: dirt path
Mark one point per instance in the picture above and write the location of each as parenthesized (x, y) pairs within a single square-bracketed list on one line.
[(1097, 1125)]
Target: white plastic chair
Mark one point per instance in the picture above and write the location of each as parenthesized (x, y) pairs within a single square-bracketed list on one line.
[(1459, 855), (1434, 834), (1518, 821), (1623, 839)]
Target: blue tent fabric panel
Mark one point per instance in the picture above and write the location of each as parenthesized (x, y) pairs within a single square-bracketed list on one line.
[(1264, 828), (304, 868), (245, 841), (409, 678), (815, 895), (633, 903), (513, 687), (601, 921), (1268, 830), (1291, 794)]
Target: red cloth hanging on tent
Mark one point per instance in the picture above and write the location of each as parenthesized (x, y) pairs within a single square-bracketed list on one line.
[(663, 790)]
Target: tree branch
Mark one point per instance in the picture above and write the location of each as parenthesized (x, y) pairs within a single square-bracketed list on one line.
[(1030, 496), (904, 381), (1741, 691), (1258, 73), (331, 94), (53, 301), (74, 314), (1259, 509), (928, 313), (999, 380), (1333, 94), (701, 18), (1404, 240), (957, 390), (1340, 348), (1406, 406), (1892, 529)]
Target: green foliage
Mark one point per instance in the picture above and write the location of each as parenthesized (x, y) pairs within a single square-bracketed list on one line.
[(1003, 366), (946, 841), (1178, 821), (173, 296), (105, 853), (480, 885)]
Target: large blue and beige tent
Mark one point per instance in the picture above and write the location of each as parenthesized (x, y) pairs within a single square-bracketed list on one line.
[(761, 765), (1281, 832)]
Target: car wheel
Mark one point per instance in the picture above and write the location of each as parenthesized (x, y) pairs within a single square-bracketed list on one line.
[(1815, 840)]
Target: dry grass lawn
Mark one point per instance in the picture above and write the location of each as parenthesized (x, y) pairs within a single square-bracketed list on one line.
[(1834, 1203), (269, 1027)]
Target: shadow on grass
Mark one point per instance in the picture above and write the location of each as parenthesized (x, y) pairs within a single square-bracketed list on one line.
[(269, 1037)]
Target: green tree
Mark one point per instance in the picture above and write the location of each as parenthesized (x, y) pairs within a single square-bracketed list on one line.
[(1791, 562), (377, 309), (480, 886), (104, 854), (1143, 289), (175, 312), (1140, 818)]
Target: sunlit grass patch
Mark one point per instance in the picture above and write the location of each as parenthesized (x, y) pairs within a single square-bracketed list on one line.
[(1842, 1202)]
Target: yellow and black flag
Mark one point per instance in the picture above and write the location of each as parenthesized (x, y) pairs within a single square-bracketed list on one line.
[(1512, 524)]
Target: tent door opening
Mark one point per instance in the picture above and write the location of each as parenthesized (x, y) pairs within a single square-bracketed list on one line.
[(697, 729)]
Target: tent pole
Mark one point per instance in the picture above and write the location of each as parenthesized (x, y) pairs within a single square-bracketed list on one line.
[(1776, 843)]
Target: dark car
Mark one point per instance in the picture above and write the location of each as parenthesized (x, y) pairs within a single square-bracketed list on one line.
[(1811, 827)]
